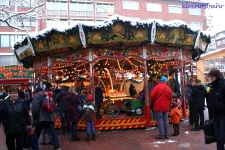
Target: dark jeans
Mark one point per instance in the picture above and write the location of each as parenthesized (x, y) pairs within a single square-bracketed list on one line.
[(65, 122), (219, 127), (98, 107), (199, 114), (176, 129), (51, 129), (74, 136), (191, 112), (45, 132), (90, 126), (27, 103), (10, 141)]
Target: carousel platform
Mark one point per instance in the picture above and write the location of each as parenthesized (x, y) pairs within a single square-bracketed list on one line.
[(123, 121)]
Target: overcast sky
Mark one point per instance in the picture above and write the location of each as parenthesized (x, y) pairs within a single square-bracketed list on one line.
[(218, 15)]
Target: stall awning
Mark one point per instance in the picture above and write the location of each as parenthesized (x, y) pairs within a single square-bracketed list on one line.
[(13, 81)]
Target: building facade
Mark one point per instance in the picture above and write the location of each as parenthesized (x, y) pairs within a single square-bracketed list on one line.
[(59, 13), (217, 41), (211, 60)]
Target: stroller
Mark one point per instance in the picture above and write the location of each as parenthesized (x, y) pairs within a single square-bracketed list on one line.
[(30, 140)]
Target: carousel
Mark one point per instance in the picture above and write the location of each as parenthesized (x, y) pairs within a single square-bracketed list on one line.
[(115, 54)]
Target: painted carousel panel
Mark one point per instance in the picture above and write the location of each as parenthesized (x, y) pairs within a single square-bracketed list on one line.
[(56, 41), (174, 36), (117, 53), (119, 32), (23, 52), (202, 44)]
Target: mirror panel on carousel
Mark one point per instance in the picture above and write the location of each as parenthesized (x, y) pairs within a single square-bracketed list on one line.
[(73, 74), (121, 79)]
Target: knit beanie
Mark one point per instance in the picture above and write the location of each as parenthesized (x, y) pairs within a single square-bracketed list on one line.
[(89, 97), (163, 79)]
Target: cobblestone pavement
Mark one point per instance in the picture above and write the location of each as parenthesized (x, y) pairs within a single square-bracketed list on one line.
[(133, 139)]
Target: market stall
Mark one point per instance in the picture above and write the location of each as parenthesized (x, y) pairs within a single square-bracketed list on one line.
[(15, 75), (115, 54)]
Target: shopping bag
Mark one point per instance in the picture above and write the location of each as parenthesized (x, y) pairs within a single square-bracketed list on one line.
[(209, 132)]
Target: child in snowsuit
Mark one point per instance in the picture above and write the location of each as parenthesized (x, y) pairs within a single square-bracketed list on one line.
[(89, 117), (175, 115)]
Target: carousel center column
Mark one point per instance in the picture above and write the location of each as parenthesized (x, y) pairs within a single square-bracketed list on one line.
[(92, 86), (90, 58), (147, 107), (182, 79)]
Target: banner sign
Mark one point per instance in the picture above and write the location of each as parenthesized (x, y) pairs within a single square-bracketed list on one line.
[(15, 72)]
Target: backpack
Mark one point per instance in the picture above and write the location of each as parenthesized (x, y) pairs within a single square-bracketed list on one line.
[(47, 102)]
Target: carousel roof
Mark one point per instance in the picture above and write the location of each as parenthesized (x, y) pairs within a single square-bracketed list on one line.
[(116, 31)]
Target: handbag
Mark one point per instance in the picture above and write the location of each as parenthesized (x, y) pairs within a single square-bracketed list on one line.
[(209, 132), (152, 103)]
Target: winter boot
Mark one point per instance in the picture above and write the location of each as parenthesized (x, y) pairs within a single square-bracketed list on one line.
[(93, 137), (87, 138)]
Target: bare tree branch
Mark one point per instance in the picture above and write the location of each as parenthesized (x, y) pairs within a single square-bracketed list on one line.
[(25, 12), (10, 16)]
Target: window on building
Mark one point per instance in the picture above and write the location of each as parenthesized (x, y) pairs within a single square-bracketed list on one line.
[(26, 22), (218, 43), (4, 41), (19, 37), (3, 24), (81, 9), (196, 25), (223, 41), (25, 3), (132, 5), (194, 11), (57, 8), (6, 60), (220, 35), (154, 7), (104, 9), (175, 9), (63, 8), (10, 40), (89, 9), (4, 2)]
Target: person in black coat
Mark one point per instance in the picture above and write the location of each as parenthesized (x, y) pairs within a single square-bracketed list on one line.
[(216, 106), (15, 118), (98, 100), (132, 90), (60, 99), (198, 96), (188, 97)]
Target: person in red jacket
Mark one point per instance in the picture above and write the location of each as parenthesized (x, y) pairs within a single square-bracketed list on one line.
[(175, 118), (161, 96)]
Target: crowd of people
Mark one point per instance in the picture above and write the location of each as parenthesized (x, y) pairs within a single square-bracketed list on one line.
[(14, 111), (14, 115), (196, 94)]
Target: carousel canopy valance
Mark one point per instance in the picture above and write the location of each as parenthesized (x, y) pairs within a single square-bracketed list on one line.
[(118, 31)]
